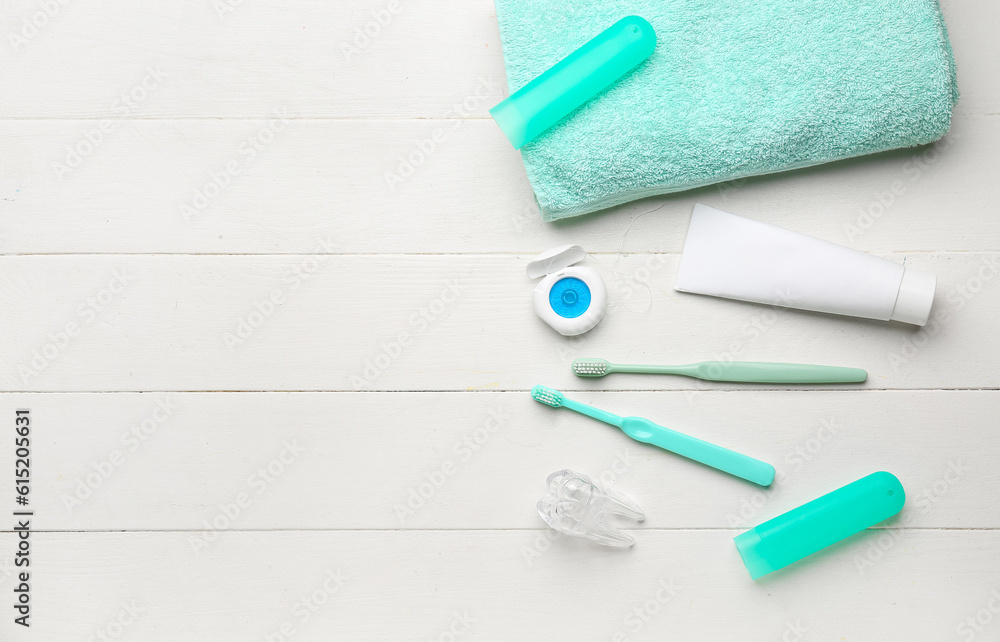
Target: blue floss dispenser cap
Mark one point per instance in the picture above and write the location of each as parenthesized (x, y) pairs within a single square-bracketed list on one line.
[(571, 299)]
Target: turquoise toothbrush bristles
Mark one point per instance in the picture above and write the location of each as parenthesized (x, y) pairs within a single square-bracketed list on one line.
[(547, 396), (556, 399)]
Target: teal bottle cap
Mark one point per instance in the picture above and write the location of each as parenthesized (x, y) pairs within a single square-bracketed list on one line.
[(574, 80), (824, 521)]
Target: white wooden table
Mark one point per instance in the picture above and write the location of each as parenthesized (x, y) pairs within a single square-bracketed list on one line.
[(276, 349)]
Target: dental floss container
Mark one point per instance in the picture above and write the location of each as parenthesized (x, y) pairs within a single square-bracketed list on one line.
[(571, 299)]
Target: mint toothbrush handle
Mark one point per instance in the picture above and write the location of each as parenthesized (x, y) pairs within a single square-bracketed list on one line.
[(765, 372), (717, 457)]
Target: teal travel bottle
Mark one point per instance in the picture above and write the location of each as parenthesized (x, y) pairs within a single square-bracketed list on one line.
[(574, 80), (804, 530)]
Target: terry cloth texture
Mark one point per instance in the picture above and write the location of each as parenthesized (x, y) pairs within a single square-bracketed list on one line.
[(735, 88)]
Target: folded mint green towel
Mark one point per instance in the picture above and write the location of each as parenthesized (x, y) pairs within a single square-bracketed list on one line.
[(734, 89)]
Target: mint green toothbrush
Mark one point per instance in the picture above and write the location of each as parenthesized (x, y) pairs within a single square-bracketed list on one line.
[(647, 432), (742, 371)]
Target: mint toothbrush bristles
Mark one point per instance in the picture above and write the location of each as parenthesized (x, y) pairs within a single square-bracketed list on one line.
[(591, 367), (547, 396)]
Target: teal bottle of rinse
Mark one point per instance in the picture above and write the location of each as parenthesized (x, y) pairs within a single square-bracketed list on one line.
[(804, 530), (574, 80)]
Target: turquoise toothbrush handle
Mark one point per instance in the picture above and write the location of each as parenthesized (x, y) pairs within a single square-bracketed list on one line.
[(763, 372), (595, 413), (717, 457)]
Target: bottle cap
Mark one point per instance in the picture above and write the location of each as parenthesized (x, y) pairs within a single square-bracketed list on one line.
[(915, 297)]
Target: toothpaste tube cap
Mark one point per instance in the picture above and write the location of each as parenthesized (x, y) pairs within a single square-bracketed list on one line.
[(915, 297)]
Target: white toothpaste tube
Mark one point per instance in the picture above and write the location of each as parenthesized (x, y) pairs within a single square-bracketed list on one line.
[(738, 258)]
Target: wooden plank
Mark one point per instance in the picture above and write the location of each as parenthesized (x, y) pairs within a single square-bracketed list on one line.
[(422, 60), (424, 585), (321, 322), (182, 461), (210, 186), (969, 31), (322, 261)]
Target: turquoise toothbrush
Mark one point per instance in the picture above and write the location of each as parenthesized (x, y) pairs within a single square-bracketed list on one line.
[(647, 432), (742, 371)]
